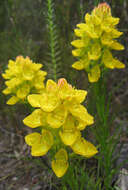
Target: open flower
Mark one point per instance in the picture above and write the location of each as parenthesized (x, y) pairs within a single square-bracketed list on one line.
[(97, 37), (62, 117), (23, 77)]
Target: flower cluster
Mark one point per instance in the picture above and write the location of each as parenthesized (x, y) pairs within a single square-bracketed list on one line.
[(62, 117), (97, 38), (23, 77)]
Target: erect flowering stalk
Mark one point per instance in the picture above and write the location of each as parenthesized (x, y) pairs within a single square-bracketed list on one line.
[(23, 77), (62, 117), (97, 39)]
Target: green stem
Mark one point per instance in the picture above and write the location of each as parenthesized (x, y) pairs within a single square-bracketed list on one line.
[(51, 33)]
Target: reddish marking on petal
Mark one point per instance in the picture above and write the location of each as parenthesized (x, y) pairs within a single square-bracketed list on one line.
[(62, 82)]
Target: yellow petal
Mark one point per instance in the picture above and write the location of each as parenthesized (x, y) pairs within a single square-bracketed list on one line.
[(80, 112), (106, 39), (13, 100), (81, 125), (87, 18), (77, 43), (28, 73), (80, 95), (49, 102), (12, 83), (78, 32), (34, 119), (57, 118), (65, 91), (82, 26), (96, 20), (117, 46), (76, 52), (84, 148), (23, 91), (69, 137), (108, 59), (7, 91), (39, 79), (60, 164), (33, 138), (41, 148), (34, 100), (95, 52), (78, 65), (51, 86), (113, 21), (61, 155), (94, 75), (59, 167), (118, 64), (11, 64), (115, 33)]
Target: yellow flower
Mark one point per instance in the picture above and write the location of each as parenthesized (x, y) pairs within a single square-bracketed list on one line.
[(62, 117), (23, 77), (96, 37), (40, 143), (84, 148), (60, 164)]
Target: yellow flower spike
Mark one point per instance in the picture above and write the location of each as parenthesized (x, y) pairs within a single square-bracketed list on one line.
[(43, 146), (13, 100), (33, 138), (57, 118), (60, 164), (23, 77), (84, 148), (34, 119), (96, 35), (94, 74)]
